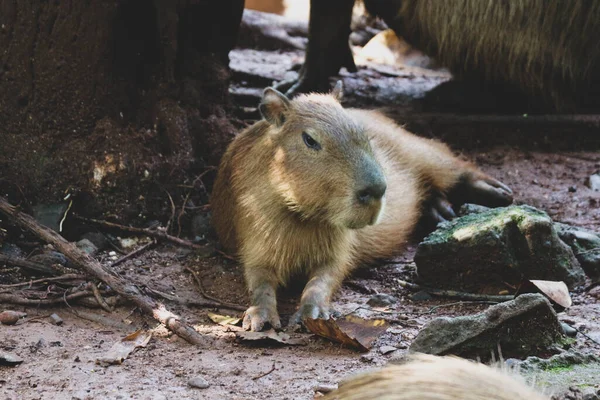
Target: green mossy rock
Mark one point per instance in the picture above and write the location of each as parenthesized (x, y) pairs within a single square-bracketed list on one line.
[(498, 245)]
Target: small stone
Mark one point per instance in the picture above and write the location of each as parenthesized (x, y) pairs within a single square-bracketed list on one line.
[(112, 253), (11, 250), (420, 296), (97, 239), (198, 382), (594, 182), (87, 247), (569, 330), (11, 317), (56, 320), (382, 300), (387, 349), (572, 189), (9, 359), (595, 292)]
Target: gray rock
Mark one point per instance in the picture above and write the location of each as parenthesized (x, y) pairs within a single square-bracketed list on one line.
[(201, 226), (50, 215), (11, 250), (585, 245), (594, 182), (382, 300), (97, 239), (521, 327), (499, 245), (50, 258), (469, 208), (87, 247), (562, 360), (198, 382), (387, 349), (9, 359), (568, 330), (56, 320)]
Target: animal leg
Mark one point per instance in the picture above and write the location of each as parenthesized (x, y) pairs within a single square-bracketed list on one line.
[(316, 297), (263, 307)]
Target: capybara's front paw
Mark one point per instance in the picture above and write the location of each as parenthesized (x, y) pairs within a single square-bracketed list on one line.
[(481, 189), (312, 311), (256, 317)]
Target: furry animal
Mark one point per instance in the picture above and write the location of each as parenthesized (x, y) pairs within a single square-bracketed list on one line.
[(426, 377), (317, 189), (546, 50)]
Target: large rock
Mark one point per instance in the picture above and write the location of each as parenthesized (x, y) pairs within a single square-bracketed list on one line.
[(586, 246), (523, 326), (494, 246)]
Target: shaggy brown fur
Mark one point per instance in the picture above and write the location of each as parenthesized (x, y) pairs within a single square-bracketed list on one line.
[(549, 49), (436, 378), (302, 192), (539, 54)]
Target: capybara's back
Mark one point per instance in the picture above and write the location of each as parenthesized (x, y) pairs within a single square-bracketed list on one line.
[(426, 377)]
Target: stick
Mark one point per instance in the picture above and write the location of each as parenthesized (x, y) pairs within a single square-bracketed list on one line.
[(265, 374), (66, 277), (156, 234), (193, 303), (132, 254), (453, 294), (207, 296), (28, 265), (89, 265), (14, 299), (101, 302)]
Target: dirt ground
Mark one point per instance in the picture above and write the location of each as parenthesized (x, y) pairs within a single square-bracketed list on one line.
[(59, 361)]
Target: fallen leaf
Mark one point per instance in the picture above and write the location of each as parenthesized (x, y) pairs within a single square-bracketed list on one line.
[(224, 319), (9, 359), (11, 317), (270, 335), (121, 349), (556, 292), (352, 331)]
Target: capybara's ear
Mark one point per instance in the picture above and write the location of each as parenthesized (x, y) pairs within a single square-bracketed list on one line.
[(338, 91), (273, 106)]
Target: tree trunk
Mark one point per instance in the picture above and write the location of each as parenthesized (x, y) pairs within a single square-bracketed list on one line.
[(112, 99)]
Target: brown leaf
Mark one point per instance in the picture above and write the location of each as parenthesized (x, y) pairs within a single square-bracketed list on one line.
[(121, 350), (270, 335), (556, 292), (11, 317), (351, 331)]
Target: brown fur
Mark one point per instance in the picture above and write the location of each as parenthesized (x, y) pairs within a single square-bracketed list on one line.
[(436, 378), (284, 209), (549, 49)]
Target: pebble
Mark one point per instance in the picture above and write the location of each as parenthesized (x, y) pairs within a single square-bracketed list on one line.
[(112, 253), (382, 300), (199, 383), (569, 330), (594, 182), (56, 320), (387, 349), (420, 296), (325, 388)]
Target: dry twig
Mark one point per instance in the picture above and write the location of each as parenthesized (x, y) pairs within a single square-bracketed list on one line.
[(207, 296), (452, 294), (133, 253), (66, 277), (91, 266)]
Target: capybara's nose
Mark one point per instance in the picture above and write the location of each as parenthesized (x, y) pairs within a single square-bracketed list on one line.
[(373, 192)]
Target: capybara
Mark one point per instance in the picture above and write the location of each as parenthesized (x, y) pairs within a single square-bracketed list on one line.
[(545, 51), (317, 189), (425, 377)]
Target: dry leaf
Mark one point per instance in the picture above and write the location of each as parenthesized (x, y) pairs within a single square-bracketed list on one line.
[(352, 331), (11, 317), (270, 335), (556, 292), (224, 319), (120, 350)]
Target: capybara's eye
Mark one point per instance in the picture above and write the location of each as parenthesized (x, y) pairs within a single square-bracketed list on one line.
[(310, 142)]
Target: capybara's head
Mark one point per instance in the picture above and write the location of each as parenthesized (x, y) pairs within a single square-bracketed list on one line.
[(323, 166)]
